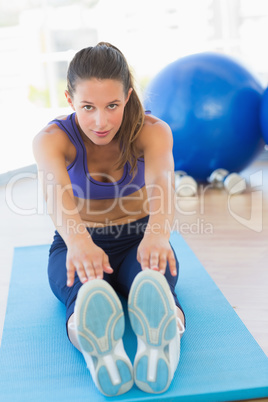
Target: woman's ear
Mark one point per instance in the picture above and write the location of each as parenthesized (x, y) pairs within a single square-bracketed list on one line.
[(69, 99), (128, 95)]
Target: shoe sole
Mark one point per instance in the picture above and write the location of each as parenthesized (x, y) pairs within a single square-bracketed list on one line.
[(100, 325), (152, 314)]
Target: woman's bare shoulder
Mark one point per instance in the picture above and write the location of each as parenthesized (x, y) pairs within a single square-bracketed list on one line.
[(52, 137), (154, 131), (151, 122), (52, 131)]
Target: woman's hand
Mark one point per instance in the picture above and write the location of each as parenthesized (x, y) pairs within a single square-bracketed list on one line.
[(155, 252), (87, 259)]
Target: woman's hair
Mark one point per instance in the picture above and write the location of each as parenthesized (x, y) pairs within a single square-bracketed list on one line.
[(105, 61)]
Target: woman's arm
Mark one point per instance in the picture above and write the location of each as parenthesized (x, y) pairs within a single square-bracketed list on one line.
[(50, 149), (155, 251)]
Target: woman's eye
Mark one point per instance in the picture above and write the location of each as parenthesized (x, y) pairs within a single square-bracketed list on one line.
[(88, 107), (113, 106)]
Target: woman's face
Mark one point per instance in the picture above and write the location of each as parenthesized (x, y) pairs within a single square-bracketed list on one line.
[(99, 107)]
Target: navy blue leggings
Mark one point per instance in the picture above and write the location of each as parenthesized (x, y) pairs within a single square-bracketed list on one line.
[(120, 243)]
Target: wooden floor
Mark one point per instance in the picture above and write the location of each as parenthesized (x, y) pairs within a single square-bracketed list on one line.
[(229, 235)]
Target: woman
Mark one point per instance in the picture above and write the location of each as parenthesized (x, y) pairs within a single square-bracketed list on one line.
[(112, 199)]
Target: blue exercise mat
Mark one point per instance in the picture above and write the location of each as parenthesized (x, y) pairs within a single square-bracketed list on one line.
[(220, 360)]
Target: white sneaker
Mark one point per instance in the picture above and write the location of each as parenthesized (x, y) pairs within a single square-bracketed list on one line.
[(100, 324), (153, 317)]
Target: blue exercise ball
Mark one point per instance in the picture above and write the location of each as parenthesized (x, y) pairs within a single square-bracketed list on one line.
[(212, 105), (264, 115)]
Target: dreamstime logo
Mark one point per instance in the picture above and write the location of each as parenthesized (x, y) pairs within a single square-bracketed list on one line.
[(256, 213)]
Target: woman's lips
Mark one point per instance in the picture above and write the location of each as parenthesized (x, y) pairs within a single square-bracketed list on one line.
[(102, 133)]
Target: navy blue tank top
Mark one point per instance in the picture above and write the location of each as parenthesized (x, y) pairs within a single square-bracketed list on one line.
[(83, 184)]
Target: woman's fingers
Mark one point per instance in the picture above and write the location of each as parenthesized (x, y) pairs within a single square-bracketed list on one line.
[(70, 274), (89, 271), (172, 263), (162, 263), (81, 273), (144, 260), (98, 271), (88, 268), (154, 260), (106, 265), (101, 264), (158, 260)]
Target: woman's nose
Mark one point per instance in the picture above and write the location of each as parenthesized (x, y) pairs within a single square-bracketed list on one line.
[(101, 119)]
